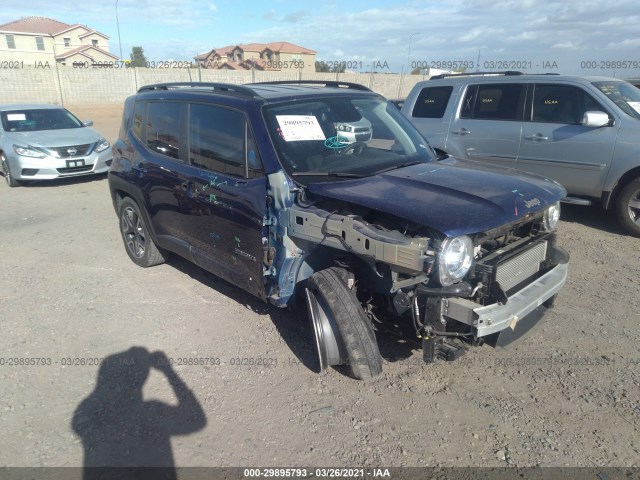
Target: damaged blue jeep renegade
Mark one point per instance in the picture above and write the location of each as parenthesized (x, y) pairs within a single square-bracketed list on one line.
[(324, 192)]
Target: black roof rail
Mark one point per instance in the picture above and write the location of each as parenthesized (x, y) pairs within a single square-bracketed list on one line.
[(221, 87), (469, 74), (325, 83)]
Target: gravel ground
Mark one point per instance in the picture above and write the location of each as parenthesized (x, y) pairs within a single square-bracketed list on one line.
[(566, 394)]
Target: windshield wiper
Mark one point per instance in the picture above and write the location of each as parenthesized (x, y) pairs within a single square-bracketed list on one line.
[(327, 174), (395, 167)]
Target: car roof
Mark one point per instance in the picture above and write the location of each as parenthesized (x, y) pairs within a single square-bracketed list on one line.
[(488, 77), (27, 106), (270, 91)]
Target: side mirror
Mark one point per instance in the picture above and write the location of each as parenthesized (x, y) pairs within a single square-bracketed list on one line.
[(595, 119), (88, 123)]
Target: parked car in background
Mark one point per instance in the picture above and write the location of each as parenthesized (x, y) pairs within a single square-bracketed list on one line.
[(582, 132), (354, 131), (42, 142), (252, 183)]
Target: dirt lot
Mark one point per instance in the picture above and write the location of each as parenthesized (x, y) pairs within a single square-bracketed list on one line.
[(566, 394)]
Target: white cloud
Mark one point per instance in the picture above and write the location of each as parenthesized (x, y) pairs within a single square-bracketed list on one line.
[(568, 45), (627, 42)]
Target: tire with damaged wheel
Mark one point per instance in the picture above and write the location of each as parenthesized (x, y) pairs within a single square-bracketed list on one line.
[(628, 207), (344, 334), (135, 234)]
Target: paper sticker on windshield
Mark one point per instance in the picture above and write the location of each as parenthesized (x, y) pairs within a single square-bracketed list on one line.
[(635, 106), (15, 117), (295, 128)]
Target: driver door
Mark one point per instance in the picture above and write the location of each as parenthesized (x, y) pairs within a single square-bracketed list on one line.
[(226, 182)]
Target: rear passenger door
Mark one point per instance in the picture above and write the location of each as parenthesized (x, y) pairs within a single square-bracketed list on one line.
[(227, 184), (488, 126), (161, 126), (556, 145)]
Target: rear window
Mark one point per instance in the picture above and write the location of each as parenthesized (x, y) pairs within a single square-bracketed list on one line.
[(494, 102), (432, 102)]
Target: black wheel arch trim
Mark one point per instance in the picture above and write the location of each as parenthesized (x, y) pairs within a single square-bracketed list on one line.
[(118, 187)]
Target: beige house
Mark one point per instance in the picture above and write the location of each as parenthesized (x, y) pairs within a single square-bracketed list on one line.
[(275, 56), (37, 40)]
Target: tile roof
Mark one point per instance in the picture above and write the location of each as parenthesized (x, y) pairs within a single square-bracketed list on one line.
[(260, 47), (288, 47), (41, 25), (94, 32), (84, 50)]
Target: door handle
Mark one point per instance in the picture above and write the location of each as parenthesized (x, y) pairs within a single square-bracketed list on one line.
[(538, 137), (461, 131)]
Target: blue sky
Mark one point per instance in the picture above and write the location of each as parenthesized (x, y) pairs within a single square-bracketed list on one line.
[(573, 36)]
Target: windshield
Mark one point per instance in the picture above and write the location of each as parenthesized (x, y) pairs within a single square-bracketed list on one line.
[(343, 136), (39, 119), (623, 94)]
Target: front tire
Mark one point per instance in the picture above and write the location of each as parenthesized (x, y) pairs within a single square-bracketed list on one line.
[(344, 334), (628, 207), (135, 234), (6, 171)]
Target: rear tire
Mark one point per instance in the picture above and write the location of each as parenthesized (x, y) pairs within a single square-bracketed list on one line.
[(135, 234), (336, 307), (6, 171), (628, 207)]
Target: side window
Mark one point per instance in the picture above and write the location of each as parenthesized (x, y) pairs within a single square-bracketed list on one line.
[(432, 102), (561, 104), (163, 128), (138, 119), (217, 140), (502, 101)]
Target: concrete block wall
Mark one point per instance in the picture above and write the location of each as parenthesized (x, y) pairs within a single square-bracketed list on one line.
[(68, 85), (29, 85)]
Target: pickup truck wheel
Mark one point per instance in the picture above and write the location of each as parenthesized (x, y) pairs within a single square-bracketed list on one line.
[(6, 171), (628, 207), (137, 241), (343, 332)]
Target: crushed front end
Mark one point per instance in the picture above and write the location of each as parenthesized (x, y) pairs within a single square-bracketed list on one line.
[(456, 291), (515, 270)]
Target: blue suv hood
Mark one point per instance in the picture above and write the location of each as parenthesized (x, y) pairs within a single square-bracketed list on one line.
[(455, 197)]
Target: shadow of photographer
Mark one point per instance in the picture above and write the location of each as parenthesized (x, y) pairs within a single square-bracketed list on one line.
[(120, 429)]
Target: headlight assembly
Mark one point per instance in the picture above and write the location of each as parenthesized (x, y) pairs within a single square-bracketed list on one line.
[(102, 145), (28, 152), (551, 217), (455, 260)]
